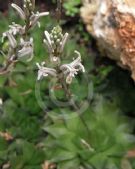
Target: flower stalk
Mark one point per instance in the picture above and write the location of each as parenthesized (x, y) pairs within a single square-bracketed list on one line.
[(21, 46), (59, 10), (64, 73)]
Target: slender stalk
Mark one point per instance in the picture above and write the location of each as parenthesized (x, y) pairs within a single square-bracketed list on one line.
[(69, 97), (59, 10), (61, 79)]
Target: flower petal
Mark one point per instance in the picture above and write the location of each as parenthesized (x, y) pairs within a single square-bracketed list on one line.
[(35, 17), (19, 10), (44, 71), (12, 40), (64, 40), (48, 38)]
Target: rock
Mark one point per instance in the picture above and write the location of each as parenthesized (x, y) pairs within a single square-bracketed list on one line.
[(112, 23)]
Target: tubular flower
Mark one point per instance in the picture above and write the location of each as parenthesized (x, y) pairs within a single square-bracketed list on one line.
[(26, 49), (35, 17), (28, 10), (55, 42), (12, 41), (19, 11), (44, 71), (14, 30), (70, 70)]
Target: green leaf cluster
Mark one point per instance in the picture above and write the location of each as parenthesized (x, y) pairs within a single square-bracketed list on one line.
[(72, 7), (70, 145)]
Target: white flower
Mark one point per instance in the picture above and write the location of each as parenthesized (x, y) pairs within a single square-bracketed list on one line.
[(1, 102), (27, 49), (44, 71), (48, 42), (16, 28), (30, 4), (35, 17), (12, 41), (19, 10), (63, 42), (70, 70), (55, 46), (49, 45)]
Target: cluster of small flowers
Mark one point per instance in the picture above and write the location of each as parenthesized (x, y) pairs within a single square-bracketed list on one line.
[(55, 41), (56, 37), (28, 6), (24, 46)]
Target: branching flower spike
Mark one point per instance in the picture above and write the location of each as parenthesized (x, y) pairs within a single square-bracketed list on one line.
[(34, 17), (55, 42), (21, 45)]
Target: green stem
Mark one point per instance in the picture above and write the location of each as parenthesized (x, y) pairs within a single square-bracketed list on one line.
[(69, 97), (59, 10)]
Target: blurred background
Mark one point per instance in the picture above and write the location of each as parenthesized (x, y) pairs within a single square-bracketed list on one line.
[(35, 133)]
